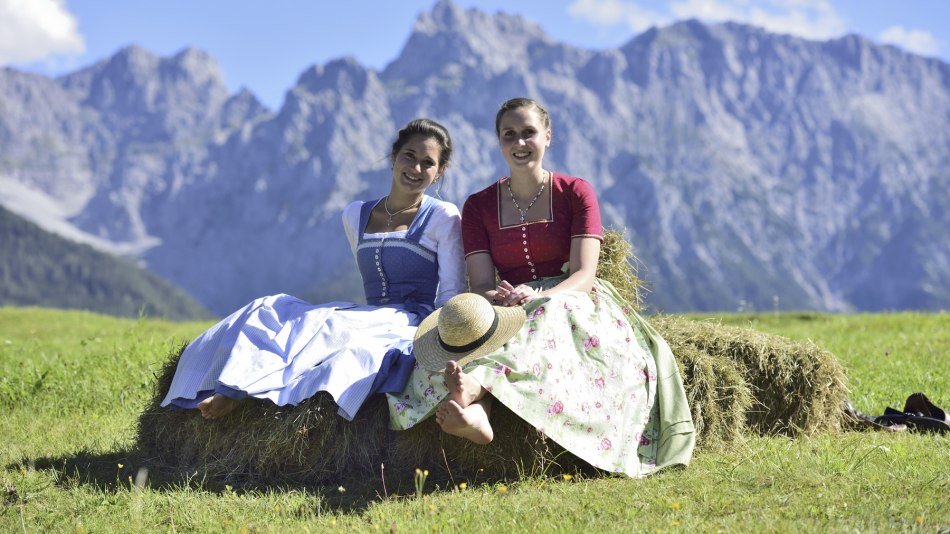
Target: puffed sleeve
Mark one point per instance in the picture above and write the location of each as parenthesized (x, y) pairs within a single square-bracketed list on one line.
[(474, 230), (447, 231), (585, 220), (351, 223)]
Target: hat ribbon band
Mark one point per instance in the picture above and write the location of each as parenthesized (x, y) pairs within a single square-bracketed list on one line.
[(455, 349)]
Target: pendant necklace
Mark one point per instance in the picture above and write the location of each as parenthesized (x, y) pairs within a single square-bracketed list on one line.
[(522, 213), (391, 214)]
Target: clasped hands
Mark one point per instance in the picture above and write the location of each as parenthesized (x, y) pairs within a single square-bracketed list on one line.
[(508, 295)]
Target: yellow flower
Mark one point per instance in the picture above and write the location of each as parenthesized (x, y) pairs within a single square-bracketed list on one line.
[(920, 520), (674, 523), (277, 508), (463, 485), (120, 466), (675, 505), (502, 488), (341, 489), (431, 507), (567, 476)]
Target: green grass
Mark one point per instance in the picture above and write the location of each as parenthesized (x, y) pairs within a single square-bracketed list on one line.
[(72, 384)]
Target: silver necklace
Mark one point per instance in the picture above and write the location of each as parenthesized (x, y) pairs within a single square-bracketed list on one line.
[(391, 214), (524, 212)]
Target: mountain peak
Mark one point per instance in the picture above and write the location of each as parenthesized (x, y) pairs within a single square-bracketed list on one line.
[(471, 38)]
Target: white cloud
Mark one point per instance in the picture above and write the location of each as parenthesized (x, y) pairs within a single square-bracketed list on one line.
[(31, 30), (610, 12), (813, 19), (917, 41)]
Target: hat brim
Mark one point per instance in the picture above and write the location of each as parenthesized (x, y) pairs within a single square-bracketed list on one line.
[(431, 355)]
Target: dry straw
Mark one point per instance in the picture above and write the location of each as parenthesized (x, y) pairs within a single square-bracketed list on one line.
[(736, 380)]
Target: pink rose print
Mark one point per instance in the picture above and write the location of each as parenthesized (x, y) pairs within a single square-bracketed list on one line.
[(591, 342), (401, 407), (556, 408), (626, 310), (540, 391), (430, 391), (627, 340), (531, 331), (599, 382), (648, 376), (567, 307), (621, 324), (644, 440), (589, 429), (538, 312), (536, 369), (552, 344), (550, 366), (502, 369), (573, 327), (599, 405), (605, 445)]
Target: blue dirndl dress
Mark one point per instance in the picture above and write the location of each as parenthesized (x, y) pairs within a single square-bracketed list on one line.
[(285, 350)]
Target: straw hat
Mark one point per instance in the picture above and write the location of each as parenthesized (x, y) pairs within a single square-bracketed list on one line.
[(465, 328)]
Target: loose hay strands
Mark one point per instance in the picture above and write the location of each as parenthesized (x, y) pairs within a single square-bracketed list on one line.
[(797, 387), (618, 265), (718, 394)]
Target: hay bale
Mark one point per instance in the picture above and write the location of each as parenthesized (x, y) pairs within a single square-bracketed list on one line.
[(735, 380), (265, 443), (797, 387)]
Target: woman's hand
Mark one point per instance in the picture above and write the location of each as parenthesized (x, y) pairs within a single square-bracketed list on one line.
[(508, 295)]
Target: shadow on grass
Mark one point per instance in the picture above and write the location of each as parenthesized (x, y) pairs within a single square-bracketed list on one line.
[(121, 471)]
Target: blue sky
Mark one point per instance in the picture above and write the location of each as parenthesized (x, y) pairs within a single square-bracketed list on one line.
[(264, 45)]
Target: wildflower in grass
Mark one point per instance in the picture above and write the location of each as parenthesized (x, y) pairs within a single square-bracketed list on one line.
[(463, 485), (675, 505), (341, 489), (502, 489), (420, 480), (567, 476), (674, 523), (120, 466), (277, 508)]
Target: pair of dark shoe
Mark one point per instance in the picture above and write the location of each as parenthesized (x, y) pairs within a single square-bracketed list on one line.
[(919, 414)]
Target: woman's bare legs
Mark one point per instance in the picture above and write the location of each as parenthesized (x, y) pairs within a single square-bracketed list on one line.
[(463, 389), (217, 406), (470, 422)]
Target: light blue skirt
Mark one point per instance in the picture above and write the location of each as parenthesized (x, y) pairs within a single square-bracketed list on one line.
[(285, 350)]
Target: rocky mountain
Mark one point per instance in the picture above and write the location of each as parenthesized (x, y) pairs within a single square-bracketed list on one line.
[(43, 269), (750, 169)]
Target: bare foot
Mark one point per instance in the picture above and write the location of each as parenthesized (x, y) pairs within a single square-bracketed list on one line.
[(217, 406), (470, 423), (463, 389)]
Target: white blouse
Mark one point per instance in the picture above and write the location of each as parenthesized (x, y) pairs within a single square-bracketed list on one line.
[(443, 234)]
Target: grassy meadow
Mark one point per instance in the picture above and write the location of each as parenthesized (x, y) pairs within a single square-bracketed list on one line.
[(72, 385)]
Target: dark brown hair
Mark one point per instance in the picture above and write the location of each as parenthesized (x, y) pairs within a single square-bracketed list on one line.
[(426, 128), (518, 103)]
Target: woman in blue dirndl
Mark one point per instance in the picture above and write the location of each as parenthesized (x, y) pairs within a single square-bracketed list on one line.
[(409, 252)]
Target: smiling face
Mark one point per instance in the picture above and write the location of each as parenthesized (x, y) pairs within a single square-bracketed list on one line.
[(523, 137), (416, 165)]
